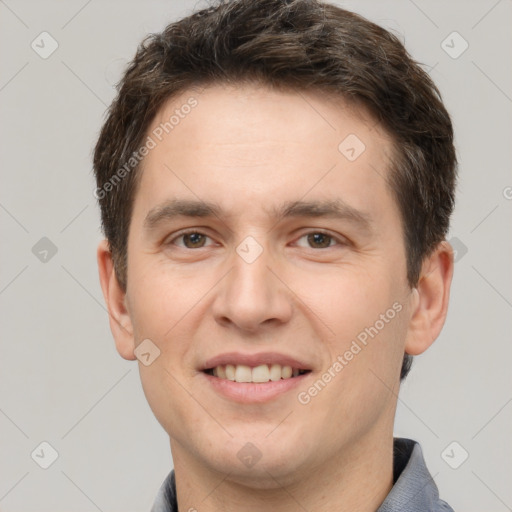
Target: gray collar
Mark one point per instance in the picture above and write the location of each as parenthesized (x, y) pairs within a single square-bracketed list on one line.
[(414, 490)]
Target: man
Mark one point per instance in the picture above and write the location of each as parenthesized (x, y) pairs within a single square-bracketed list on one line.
[(275, 181)]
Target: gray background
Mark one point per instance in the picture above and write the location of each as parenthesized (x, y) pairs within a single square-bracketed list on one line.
[(62, 380)]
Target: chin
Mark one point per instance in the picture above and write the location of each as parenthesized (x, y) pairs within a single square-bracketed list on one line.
[(260, 463)]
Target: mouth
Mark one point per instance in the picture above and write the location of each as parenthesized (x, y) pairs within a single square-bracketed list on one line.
[(255, 374), (254, 378)]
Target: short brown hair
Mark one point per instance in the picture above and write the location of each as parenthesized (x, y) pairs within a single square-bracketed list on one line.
[(297, 44)]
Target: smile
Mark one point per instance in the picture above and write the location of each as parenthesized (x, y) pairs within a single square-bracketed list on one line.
[(257, 374)]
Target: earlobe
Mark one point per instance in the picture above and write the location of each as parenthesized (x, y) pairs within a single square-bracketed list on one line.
[(429, 304), (115, 299)]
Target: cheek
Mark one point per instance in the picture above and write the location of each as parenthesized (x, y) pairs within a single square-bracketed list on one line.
[(366, 316), (350, 299), (160, 307), (358, 386), (162, 304), (161, 298), (372, 329), (166, 392)]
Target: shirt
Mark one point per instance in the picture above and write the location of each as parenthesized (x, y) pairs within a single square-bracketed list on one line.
[(414, 490)]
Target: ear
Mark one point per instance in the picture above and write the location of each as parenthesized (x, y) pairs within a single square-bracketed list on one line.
[(430, 303), (115, 298)]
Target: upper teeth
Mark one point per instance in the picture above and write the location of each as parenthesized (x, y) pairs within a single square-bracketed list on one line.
[(262, 373)]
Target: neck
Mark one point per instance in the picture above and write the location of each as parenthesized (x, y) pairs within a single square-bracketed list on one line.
[(359, 478)]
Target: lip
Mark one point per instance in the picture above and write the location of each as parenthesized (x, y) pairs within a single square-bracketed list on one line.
[(253, 393), (252, 360), (250, 392)]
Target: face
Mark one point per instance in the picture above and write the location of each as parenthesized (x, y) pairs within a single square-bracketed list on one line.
[(265, 246)]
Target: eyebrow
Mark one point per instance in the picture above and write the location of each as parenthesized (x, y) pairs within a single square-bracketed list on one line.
[(336, 209), (180, 208)]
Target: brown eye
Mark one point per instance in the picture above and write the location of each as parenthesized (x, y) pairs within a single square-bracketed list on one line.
[(193, 240), (319, 240), (190, 240)]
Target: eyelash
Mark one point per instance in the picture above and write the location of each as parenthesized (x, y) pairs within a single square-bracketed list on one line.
[(320, 232)]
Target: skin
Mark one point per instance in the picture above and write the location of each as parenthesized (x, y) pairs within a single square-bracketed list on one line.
[(249, 149)]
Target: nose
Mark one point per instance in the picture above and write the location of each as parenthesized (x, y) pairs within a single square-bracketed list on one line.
[(252, 297)]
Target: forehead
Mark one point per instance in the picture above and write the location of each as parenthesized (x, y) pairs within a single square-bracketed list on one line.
[(249, 144)]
